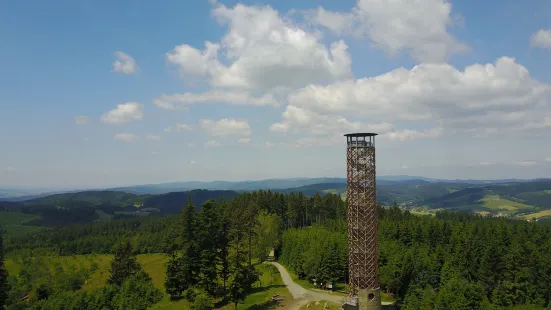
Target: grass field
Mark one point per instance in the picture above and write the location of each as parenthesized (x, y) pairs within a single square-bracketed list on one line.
[(14, 223), (495, 202), (154, 264), (541, 214)]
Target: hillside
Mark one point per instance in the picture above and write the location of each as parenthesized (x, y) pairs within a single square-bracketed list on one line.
[(512, 199), (88, 206)]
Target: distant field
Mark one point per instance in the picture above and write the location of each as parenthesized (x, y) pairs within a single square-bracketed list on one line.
[(154, 264), (540, 214), (495, 202), (423, 212), (14, 222)]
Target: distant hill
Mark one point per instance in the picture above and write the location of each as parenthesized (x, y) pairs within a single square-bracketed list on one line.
[(88, 206), (510, 198)]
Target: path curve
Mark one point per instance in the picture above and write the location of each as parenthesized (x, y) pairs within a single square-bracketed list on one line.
[(299, 292)]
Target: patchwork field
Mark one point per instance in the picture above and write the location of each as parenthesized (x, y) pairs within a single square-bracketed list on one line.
[(541, 214), (495, 202), (154, 264)]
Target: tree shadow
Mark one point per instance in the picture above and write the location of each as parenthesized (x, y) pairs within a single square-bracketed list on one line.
[(265, 288), (270, 304)]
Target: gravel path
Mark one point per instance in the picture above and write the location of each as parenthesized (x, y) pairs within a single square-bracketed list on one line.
[(299, 292)]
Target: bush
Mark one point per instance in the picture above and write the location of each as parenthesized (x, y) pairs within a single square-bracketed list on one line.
[(203, 302)]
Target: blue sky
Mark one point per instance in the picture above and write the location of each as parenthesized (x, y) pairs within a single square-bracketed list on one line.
[(455, 89)]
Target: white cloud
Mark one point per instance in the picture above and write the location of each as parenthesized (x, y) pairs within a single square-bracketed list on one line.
[(264, 52), (191, 145), (528, 163), (268, 145), (418, 27), (152, 138), (193, 162), (226, 127), (322, 129), (126, 137), (124, 63), (542, 38), (548, 158), (404, 167), (212, 143), (482, 99), (244, 140), (182, 101), (10, 169), (408, 134), (81, 120), (155, 153), (123, 113), (179, 127)]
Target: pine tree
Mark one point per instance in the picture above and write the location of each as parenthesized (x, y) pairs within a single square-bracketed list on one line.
[(124, 264), (3, 275)]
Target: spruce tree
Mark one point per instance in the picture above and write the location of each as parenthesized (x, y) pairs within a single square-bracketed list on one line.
[(173, 281), (208, 222), (3, 275), (124, 264)]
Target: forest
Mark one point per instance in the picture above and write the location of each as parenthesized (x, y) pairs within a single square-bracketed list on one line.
[(449, 261)]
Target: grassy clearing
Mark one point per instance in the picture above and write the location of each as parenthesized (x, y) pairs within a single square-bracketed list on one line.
[(547, 191), (495, 202), (270, 282), (541, 214)]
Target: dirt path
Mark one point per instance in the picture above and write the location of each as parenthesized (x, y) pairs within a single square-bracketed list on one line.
[(299, 292), (302, 295)]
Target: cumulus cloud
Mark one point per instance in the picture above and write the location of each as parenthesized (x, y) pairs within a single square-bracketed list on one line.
[(244, 140), (130, 111), (153, 138), (226, 127), (126, 137), (179, 127), (528, 163), (264, 52), (81, 120), (182, 101), (212, 143), (124, 63), (193, 162), (542, 38), (398, 25), (548, 158), (484, 100)]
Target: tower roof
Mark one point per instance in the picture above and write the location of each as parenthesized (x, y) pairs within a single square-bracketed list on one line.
[(361, 134)]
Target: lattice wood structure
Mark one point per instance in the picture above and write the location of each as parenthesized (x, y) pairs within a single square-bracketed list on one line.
[(362, 213)]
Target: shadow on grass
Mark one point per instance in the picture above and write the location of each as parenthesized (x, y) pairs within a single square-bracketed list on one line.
[(265, 288), (265, 306)]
